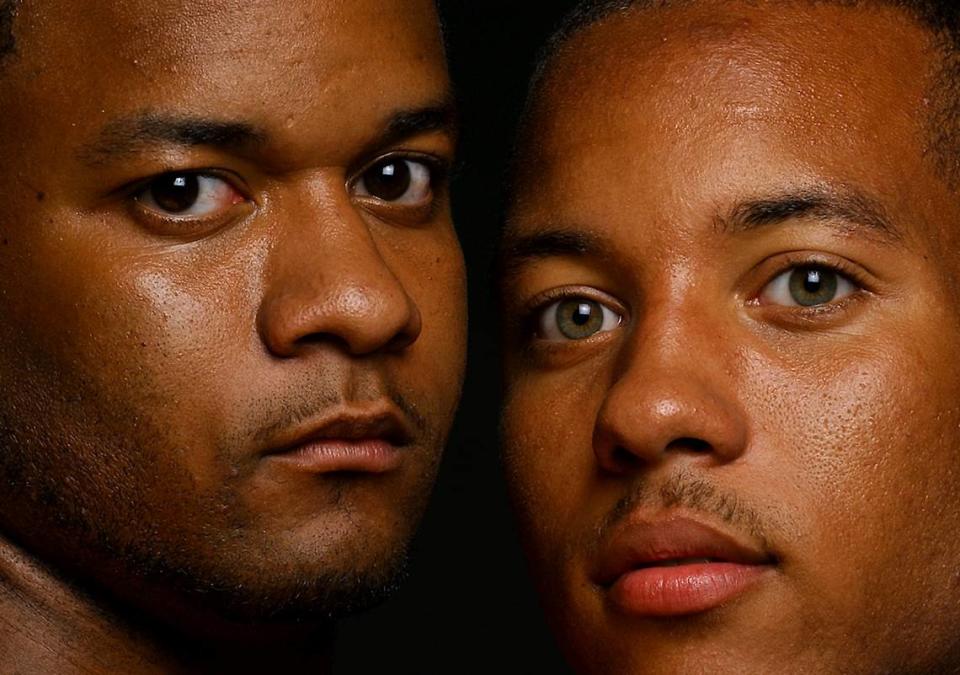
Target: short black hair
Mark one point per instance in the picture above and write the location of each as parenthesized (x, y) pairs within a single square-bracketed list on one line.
[(8, 41), (940, 17)]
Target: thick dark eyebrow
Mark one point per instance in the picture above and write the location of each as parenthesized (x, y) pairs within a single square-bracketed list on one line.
[(408, 123), (129, 135), (850, 211), (515, 250)]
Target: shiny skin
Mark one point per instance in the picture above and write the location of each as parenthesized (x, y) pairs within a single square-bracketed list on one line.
[(148, 363), (829, 436)]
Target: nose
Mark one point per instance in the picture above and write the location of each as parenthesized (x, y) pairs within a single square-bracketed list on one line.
[(328, 282), (674, 395)]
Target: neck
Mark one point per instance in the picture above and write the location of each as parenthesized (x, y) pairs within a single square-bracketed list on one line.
[(48, 625)]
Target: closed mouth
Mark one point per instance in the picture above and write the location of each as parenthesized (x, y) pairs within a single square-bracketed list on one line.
[(677, 566), (348, 440)]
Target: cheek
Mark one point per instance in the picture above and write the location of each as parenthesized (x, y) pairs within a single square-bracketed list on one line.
[(151, 344), (547, 431), (861, 451), (431, 269)]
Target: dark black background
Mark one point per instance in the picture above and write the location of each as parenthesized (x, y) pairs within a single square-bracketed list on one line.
[(468, 606)]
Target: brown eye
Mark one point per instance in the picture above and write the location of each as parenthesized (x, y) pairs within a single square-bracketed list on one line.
[(175, 193), (188, 195), (397, 180)]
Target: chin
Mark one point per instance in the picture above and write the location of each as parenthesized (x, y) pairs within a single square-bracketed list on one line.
[(277, 581), (316, 599)]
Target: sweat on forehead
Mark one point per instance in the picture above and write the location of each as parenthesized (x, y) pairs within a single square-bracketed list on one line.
[(940, 17)]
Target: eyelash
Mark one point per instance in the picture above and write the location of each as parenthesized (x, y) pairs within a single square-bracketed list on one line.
[(794, 260), (188, 226), (137, 186), (532, 309), (440, 168)]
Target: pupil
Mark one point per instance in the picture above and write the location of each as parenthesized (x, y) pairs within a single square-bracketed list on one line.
[(582, 315), (812, 282), (578, 318), (388, 181), (176, 193)]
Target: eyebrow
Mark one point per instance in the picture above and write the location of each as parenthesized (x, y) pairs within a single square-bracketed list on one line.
[(407, 123), (850, 210), (515, 250), (128, 136)]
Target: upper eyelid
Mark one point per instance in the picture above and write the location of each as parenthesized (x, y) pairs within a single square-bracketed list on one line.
[(530, 322), (775, 266), (794, 259), (544, 299), (135, 187), (438, 166)]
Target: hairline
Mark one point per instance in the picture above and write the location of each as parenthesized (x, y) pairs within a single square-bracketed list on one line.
[(941, 124)]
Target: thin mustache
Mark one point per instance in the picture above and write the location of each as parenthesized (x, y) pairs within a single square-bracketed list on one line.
[(294, 417), (685, 491)]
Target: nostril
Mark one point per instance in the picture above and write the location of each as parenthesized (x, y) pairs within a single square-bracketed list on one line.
[(695, 445), (399, 342), (624, 458), (320, 339)]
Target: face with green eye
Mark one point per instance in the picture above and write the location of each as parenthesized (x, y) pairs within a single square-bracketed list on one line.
[(732, 345), (579, 317), (233, 299)]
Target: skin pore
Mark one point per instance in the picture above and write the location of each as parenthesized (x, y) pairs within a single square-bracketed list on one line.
[(226, 230), (729, 305)]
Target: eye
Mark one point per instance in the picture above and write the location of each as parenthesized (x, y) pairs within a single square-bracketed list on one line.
[(398, 180), (188, 195), (576, 319), (807, 286)]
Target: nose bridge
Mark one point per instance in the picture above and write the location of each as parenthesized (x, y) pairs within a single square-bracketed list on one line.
[(674, 386), (328, 280)]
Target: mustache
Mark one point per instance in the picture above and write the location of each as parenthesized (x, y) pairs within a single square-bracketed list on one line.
[(292, 415), (692, 493), (271, 413)]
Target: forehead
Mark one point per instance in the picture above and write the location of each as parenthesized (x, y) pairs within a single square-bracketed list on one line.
[(711, 101), (81, 63)]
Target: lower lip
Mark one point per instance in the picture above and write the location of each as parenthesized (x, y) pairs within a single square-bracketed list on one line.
[(329, 456), (684, 589)]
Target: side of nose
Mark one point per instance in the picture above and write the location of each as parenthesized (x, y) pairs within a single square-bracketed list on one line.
[(673, 395), (328, 282)]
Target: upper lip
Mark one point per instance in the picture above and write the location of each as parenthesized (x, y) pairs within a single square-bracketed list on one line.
[(643, 542), (348, 423)]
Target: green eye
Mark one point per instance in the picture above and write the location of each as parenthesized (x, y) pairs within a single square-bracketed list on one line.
[(812, 286), (807, 286), (576, 319)]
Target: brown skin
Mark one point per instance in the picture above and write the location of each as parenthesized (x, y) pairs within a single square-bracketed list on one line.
[(833, 429), (150, 362)]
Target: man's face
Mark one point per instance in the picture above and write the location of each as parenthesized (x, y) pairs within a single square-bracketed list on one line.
[(232, 297), (733, 360)]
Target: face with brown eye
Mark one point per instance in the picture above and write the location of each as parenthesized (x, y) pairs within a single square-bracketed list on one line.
[(732, 345), (234, 300)]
